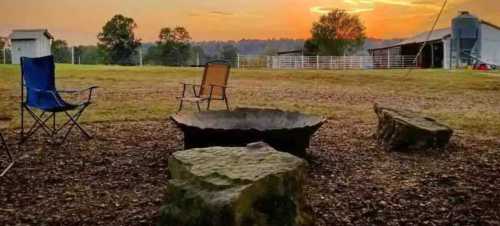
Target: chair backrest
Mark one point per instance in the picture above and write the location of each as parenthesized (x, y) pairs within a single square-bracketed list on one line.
[(216, 73), (38, 74)]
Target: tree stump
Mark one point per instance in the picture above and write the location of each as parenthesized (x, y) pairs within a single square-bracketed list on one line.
[(406, 130)]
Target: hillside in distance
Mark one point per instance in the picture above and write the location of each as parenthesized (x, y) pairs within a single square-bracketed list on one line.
[(273, 46), (270, 47)]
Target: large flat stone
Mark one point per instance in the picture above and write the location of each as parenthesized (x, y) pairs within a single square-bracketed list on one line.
[(235, 186), (406, 130)]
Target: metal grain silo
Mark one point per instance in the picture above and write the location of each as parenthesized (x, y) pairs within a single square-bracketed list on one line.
[(466, 36)]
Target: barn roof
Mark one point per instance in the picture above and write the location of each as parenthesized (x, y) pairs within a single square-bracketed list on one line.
[(29, 34), (420, 38), (436, 35)]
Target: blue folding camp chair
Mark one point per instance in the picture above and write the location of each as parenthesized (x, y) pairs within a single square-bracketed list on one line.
[(38, 79)]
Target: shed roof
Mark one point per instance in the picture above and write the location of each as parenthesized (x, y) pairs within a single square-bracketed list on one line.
[(29, 34)]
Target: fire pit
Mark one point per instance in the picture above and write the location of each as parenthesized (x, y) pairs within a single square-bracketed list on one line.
[(285, 131)]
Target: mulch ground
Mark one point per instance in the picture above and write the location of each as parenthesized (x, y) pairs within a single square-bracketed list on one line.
[(119, 178)]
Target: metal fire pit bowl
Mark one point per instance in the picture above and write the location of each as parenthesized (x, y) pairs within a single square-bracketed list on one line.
[(285, 131)]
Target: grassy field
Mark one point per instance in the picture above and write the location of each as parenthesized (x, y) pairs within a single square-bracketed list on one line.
[(468, 101)]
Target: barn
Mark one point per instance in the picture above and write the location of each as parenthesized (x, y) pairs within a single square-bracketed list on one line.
[(467, 42), (30, 43)]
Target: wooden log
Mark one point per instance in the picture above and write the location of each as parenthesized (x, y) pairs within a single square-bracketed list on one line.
[(406, 130)]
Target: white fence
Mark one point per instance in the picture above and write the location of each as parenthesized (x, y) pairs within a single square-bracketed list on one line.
[(326, 62)]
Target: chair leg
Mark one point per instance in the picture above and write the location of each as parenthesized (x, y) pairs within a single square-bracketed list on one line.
[(198, 105), (74, 123), (180, 106), (22, 123), (208, 104), (54, 129), (4, 144), (227, 103), (40, 122)]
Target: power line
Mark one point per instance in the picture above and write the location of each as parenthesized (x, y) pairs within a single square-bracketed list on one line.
[(428, 35)]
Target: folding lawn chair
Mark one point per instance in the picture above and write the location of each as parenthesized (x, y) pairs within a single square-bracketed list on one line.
[(3, 145), (213, 86), (38, 79)]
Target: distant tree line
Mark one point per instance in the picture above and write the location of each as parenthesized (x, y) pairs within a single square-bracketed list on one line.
[(337, 33), (82, 54), (118, 45)]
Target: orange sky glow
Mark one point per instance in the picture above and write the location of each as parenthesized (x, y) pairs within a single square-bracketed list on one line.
[(79, 21)]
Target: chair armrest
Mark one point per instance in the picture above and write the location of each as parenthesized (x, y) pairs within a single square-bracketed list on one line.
[(190, 84), (185, 86), (224, 87), (90, 90), (54, 95)]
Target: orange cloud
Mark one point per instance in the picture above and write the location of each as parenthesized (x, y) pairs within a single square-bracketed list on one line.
[(80, 21)]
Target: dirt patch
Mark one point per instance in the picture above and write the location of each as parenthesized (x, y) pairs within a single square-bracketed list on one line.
[(116, 179)]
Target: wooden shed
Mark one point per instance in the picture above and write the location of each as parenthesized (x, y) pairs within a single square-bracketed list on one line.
[(30, 43)]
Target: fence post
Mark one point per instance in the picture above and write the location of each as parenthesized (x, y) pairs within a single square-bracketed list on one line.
[(73, 55), (237, 60), (302, 61), (317, 62), (279, 62), (140, 56), (388, 59)]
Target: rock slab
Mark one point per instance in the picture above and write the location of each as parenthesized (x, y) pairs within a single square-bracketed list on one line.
[(406, 130), (233, 186)]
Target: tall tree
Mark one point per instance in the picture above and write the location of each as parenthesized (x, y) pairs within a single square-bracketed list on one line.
[(337, 33), (61, 51), (118, 41), (173, 47)]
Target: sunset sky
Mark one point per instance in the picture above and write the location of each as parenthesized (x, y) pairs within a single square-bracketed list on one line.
[(79, 21)]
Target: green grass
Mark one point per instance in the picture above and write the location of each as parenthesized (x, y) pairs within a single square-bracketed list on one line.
[(469, 101)]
